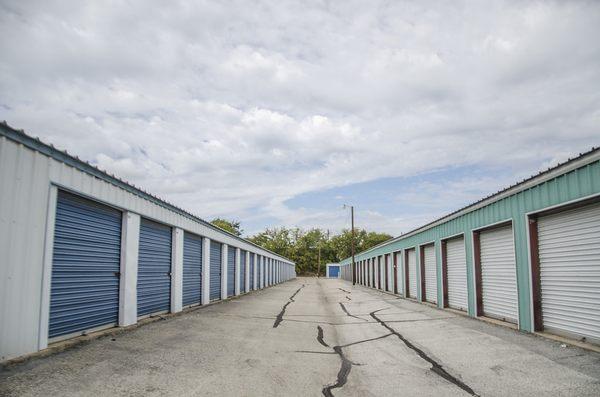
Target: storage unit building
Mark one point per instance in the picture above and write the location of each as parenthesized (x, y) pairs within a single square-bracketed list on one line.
[(82, 250), (527, 255)]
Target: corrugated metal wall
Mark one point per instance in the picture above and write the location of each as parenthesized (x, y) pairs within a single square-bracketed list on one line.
[(573, 185)]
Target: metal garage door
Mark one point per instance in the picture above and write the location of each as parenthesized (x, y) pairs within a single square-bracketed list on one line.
[(154, 268), (85, 266), (569, 252), (430, 274), (192, 269), (456, 264), (215, 270), (251, 271), (230, 271), (498, 274), (373, 272), (412, 273), (386, 277), (259, 271), (399, 280), (242, 271)]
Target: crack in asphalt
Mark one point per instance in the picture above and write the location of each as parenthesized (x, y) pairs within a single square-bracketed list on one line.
[(347, 297), (279, 317), (342, 376), (346, 364), (348, 313), (435, 366), (320, 336), (341, 289)]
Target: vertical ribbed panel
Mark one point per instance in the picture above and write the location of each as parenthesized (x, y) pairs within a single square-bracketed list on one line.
[(399, 271), (85, 266), (259, 272), (498, 274), (569, 252), (334, 271), (456, 263), (215, 270), (192, 269), (242, 271), (412, 273), (251, 271), (430, 274), (154, 268), (230, 271)]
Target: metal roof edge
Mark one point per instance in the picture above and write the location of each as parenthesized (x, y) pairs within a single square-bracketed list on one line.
[(63, 156), (582, 160)]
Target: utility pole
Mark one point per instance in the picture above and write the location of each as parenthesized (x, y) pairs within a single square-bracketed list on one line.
[(353, 266)]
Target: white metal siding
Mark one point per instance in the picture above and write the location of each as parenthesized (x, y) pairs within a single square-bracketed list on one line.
[(569, 252), (412, 274), (456, 263), (430, 274), (26, 177), (498, 274)]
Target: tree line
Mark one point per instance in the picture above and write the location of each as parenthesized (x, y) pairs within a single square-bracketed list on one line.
[(309, 247)]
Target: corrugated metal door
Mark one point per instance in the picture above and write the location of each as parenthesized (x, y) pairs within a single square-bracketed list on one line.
[(400, 281), (192, 269), (242, 271), (215, 270), (387, 273), (430, 274), (230, 271), (251, 271), (84, 293), (456, 264), (259, 271), (498, 274), (412, 273), (334, 271), (569, 253), (154, 268)]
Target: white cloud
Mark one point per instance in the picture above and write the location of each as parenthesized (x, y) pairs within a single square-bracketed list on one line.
[(232, 108)]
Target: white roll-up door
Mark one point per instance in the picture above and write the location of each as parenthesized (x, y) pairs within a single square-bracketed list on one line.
[(412, 274), (430, 274), (498, 274), (399, 273), (456, 263), (569, 253)]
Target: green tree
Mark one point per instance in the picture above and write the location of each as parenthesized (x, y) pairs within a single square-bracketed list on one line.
[(302, 246), (232, 227)]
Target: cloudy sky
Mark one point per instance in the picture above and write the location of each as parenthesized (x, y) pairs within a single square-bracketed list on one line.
[(277, 113)]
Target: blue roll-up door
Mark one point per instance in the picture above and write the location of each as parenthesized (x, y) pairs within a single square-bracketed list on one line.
[(154, 268), (334, 271), (259, 272), (84, 292), (192, 269), (215, 270), (251, 271), (242, 271), (231, 271)]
